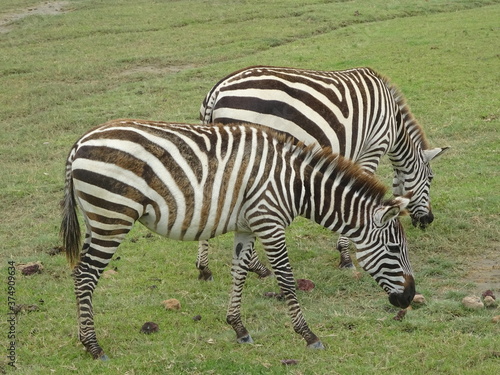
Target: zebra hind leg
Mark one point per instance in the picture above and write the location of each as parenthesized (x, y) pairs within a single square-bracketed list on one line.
[(256, 265), (86, 278), (202, 262), (345, 257), (97, 255)]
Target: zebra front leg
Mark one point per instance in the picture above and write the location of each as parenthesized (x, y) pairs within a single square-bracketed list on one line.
[(243, 243), (278, 257), (345, 257), (86, 278), (202, 262)]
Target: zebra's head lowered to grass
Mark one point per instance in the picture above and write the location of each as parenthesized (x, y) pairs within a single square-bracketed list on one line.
[(194, 182), (368, 220), (389, 265), (417, 179), (357, 112)]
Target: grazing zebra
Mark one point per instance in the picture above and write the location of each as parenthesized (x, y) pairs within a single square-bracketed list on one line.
[(356, 112), (193, 182)]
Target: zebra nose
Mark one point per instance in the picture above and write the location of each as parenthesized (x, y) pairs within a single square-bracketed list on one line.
[(404, 298), (427, 219), (423, 221)]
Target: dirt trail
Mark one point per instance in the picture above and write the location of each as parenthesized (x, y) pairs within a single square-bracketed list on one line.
[(46, 8)]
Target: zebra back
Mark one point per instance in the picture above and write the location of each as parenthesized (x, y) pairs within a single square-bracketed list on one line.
[(357, 112)]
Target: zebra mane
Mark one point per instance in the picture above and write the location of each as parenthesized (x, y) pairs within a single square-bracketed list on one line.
[(327, 161), (414, 128)]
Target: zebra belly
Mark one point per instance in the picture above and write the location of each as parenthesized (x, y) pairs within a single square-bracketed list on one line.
[(191, 230)]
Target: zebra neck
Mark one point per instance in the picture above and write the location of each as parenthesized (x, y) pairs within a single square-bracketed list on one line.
[(405, 154), (337, 199)]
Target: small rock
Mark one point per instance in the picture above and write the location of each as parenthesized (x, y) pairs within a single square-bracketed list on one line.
[(109, 273), (488, 293), (400, 315), (149, 327), (496, 319), (472, 302), (171, 304), (419, 299), (489, 301), (305, 285), (197, 318)]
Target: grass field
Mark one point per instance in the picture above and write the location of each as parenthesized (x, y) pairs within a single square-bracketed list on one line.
[(68, 66)]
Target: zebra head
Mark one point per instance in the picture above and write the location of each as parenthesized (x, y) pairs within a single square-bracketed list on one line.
[(417, 179), (384, 252)]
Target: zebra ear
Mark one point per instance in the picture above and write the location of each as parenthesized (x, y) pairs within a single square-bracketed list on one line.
[(434, 153), (391, 209)]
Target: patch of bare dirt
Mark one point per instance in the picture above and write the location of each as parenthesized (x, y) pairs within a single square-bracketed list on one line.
[(485, 271), (46, 8)]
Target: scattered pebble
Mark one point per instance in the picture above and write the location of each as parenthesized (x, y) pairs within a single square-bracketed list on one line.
[(149, 327), (496, 319), (419, 299), (489, 301), (305, 285), (197, 318), (472, 302), (400, 315), (488, 293), (171, 304)]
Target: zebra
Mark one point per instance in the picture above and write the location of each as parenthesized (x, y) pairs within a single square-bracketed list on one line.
[(194, 182), (356, 112)]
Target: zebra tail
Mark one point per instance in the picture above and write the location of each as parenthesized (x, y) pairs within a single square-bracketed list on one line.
[(70, 227)]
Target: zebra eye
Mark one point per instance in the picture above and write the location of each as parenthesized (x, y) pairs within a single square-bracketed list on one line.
[(393, 248)]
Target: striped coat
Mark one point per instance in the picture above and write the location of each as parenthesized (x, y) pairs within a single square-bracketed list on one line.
[(356, 112), (194, 182)]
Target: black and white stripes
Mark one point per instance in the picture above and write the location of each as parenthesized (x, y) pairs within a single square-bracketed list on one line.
[(356, 112), (193, 182)]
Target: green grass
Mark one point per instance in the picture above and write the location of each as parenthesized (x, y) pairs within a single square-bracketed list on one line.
[(62, 74)]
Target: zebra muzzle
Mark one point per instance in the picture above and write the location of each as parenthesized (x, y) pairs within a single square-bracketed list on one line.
[(403, 299), (423, 221)]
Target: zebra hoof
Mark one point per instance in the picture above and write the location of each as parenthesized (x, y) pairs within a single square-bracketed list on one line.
[(347, 266), (264, 274), (205, 275), (316, 345), (245, 340)]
